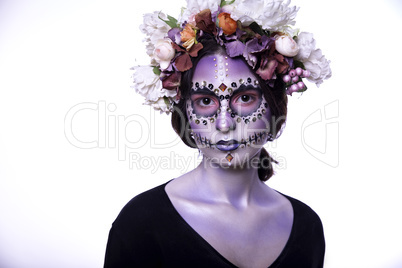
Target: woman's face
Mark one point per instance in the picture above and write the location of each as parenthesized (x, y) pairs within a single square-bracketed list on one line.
[(227, 111)]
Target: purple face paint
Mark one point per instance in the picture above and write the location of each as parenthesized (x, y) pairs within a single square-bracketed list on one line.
[(227, 111)]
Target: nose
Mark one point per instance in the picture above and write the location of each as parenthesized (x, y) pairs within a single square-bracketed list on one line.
[(225, 122)]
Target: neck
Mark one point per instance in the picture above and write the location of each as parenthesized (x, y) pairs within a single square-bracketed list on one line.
[(235, 186)]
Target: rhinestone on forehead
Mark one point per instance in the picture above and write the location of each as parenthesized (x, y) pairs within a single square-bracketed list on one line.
[(223, 87)]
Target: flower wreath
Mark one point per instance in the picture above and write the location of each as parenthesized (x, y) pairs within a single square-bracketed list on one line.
[(258, 30)]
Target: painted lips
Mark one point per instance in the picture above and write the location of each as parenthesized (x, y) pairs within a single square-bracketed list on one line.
[(227, 145)]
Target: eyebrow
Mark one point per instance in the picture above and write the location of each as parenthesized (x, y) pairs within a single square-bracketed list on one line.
[(244, 87), (202, 91)]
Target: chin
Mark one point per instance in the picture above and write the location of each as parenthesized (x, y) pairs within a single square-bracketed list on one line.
[(244, 157)]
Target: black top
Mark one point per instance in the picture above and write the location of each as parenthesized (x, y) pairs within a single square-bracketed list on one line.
[(149, 232)]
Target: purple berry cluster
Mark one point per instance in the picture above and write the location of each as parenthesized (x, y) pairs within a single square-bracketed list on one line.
[(294, 81)]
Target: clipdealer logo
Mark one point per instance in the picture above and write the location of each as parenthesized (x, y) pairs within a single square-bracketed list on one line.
[(320, 134), (113, 132), (113, 129)]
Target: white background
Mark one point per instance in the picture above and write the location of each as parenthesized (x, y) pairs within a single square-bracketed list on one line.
[(57, 200)]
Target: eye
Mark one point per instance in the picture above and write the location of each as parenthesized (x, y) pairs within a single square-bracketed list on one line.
[(246, 102), (244, 98), (206, 101), (205, 105)]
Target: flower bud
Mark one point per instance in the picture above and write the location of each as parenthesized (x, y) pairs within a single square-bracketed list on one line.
[(227, 24), (164, 53), (285, 45)]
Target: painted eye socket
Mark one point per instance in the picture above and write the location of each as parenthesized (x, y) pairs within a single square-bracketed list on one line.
[(246, 102), (204, 105)]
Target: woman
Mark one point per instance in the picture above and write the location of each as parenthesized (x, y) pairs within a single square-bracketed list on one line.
[(221, 214)]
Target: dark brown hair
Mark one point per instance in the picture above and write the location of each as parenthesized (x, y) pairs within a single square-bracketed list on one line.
[(275, 96)]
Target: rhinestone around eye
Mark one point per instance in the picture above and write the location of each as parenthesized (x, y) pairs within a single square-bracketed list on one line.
[(197, 121), (229, 110), (230, 90), (263, 111), (256, 82), (210, 86), (247, 121), (221, 97), (216, 91), (238, 120), (254, 119), (197, 84), (234, 84), (212, 120), (259, 116), (233, 115), (227, 97), (241, 81), (204, 83), (249, 80), (266, 105), (204, 122)]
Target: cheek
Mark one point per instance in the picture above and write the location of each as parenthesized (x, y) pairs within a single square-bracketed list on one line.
[(258, 120), (197, 127)]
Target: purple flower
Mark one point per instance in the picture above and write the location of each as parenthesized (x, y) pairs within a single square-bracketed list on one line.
[(256, 45), (174, 35), (235, 48)]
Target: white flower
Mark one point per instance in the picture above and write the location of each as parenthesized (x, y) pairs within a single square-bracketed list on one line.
[(163, 104), (164, 53), (196, 6), (149, 85), (306, 44), (318, 65), (155, 29), (312, 58), (145, 81), (285, 45), (273, 15)]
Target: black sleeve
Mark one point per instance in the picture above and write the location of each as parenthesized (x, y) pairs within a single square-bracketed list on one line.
[(131, 241), (307, 240)]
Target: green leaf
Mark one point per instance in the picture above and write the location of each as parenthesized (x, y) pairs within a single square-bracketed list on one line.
[(166, 100), (172, 22), (157, 71), (304, 89), (224, 2), (256, 28), (298, 64)]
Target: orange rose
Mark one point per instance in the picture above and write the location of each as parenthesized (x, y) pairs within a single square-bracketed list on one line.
[(227, 24), (188, 33)]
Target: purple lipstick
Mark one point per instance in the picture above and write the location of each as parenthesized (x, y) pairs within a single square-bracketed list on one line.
[(225, 146)]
